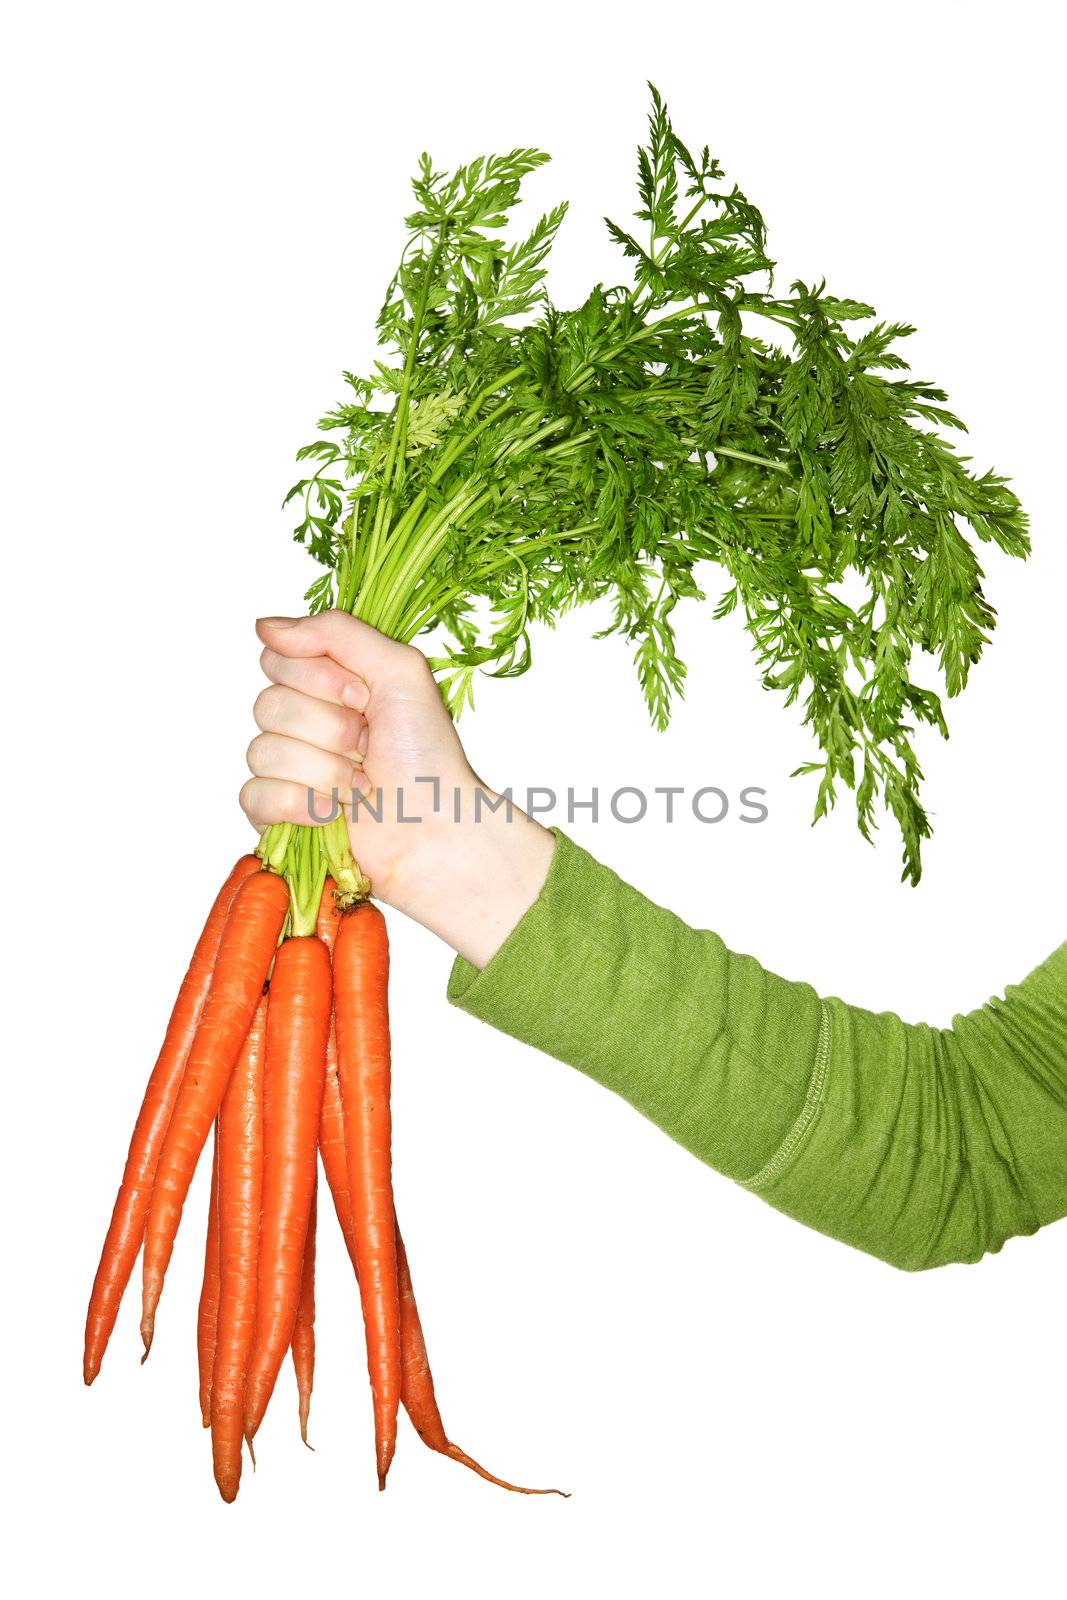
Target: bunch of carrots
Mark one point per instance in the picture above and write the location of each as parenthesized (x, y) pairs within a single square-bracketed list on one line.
[(279, 1042)]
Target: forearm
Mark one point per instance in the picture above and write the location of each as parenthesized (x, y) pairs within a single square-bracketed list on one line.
[(915, 1144), (707, 1044)]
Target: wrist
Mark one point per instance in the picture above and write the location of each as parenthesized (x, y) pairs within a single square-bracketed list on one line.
[(470, 874)]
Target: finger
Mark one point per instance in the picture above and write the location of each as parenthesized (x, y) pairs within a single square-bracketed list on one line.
[(317, 676), (347, 640), (275, 755), (334, 728), (266, 801)]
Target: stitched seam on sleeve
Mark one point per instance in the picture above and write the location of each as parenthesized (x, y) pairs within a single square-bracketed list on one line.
[(812, 1101)]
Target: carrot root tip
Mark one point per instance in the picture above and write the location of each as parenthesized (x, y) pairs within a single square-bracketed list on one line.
[(454, 1453)]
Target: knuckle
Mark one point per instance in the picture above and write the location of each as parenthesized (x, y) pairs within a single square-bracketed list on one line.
[(254, 755), (292, 804), (414, 661), (335, 623), (266, 706)]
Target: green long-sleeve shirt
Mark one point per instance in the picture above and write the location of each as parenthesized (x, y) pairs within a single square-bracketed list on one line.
[(921, 1145)]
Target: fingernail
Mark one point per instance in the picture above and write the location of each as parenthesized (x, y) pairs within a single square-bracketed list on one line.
[(361, 782), (354, 695), (363, 741), (277, 622)]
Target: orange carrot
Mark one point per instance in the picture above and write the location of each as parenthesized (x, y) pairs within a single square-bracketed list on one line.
[(240, 1189), (126, 1231), (249, 940), (303, 1346), (208, 1314), (416, 1380), (298, 1022), (417, 1389), (361, 1014), (334, 1161)]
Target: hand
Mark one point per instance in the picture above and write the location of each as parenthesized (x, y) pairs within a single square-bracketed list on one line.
[(352, 713), (349, 710)]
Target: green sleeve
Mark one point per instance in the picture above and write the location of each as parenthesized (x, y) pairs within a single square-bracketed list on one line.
[(920, 1145)]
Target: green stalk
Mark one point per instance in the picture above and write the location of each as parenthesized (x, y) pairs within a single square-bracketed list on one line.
[(309, 853), (387, 550), (673, 236), (305, 873), (415, 620), (274, 846), (380, 588), (406, 561), (398, 436), (421, 555), (352, 886), (746, 455)]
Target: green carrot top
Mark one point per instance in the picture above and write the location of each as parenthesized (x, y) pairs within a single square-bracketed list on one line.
[(506, 460)]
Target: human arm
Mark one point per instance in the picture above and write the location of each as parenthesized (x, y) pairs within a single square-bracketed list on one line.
[(916, 1144), (919, 1145)]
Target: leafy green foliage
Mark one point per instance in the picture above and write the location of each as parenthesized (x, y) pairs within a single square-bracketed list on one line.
[(508, 460)]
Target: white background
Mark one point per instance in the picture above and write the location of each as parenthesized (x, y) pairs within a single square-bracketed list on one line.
[(203, 205)]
